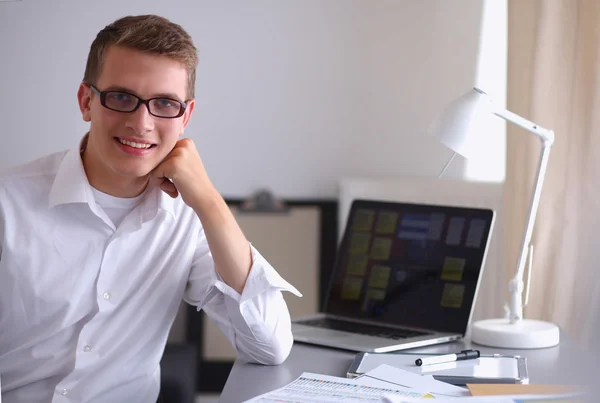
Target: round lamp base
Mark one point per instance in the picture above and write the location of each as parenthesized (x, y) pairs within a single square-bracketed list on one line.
[(527, 333)]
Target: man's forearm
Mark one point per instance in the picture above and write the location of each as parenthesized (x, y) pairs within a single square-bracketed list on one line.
[(229, 247)]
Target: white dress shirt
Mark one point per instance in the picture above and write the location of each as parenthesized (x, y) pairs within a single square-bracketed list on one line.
[(86, 306)]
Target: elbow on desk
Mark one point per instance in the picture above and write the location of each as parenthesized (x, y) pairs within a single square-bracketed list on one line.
[(275, 352), (279, 352)]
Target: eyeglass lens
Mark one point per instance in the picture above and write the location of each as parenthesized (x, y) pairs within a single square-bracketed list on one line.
[(124, 102)]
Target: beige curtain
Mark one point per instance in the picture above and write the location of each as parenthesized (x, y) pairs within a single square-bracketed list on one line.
[(553, 80)]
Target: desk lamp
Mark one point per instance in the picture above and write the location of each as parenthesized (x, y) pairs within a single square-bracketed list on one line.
[(461, 128)]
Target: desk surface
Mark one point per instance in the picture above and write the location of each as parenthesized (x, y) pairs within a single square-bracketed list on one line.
[(563, 364)]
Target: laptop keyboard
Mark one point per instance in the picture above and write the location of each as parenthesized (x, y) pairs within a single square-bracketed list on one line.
[(360, 328)]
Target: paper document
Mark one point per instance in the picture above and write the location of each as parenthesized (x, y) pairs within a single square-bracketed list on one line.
[(492, 399), (316, 388), (395, 377)]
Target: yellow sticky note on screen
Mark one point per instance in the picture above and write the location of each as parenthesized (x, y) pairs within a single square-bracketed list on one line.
[(370, 296), (357, 265), (351, 288), (380, 250), (375, 294), (363, 220), (453, 296), (453, 269), (379, 276), (359, 243), (386, 222)]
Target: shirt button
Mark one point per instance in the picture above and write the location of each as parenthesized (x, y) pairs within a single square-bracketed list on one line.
[(87, 348), (106, 296), (64, 392)]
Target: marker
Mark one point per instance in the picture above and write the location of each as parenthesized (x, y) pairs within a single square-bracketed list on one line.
[(463, 355)]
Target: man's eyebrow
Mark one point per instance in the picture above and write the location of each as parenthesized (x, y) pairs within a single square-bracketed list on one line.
[(167, 95), (161, 95)]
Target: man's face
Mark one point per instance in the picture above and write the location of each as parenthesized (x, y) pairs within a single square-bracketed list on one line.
[(146, 76)]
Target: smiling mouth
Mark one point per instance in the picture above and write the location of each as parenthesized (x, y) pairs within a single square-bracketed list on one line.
[(141, 146)]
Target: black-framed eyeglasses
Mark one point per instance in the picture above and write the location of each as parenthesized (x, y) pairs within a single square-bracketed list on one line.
[(121, 101)]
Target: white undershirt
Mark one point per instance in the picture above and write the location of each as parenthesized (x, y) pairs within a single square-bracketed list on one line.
[(116, 208)]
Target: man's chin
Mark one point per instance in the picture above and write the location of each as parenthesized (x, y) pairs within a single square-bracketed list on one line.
[(136, 174)]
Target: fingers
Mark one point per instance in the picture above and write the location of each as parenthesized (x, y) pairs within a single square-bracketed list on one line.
[(161, 172), (169, 188), (187, 142), (155, 181)]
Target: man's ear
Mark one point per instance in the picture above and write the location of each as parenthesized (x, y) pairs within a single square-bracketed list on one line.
[(84, 99), (188, 113)]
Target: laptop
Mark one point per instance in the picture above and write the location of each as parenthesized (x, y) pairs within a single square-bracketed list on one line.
[(406, 275)]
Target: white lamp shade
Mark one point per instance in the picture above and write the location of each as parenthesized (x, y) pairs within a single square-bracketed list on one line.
[(462, 125)]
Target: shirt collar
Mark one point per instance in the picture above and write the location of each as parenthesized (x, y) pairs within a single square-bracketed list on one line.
[(156, 200), (167, 203), (71, 185)]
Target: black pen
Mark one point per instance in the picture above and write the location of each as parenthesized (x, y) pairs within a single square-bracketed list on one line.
[(439, 359)]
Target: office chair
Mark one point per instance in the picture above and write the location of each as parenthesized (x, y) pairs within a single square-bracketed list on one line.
[(178, 371)]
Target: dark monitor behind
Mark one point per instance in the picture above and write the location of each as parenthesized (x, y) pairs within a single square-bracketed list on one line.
[(413, 265)]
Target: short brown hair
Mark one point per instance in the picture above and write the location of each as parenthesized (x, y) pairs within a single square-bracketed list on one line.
[(146, 33)]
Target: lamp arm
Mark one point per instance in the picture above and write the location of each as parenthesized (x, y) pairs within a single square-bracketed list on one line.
[(546, 136)]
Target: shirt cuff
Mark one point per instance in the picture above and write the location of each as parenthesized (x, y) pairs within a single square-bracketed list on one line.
[(262, 277)]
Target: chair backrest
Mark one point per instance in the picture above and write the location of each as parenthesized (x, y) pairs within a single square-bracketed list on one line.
[(178, 374)]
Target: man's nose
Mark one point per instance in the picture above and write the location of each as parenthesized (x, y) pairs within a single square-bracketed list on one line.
[(141, 121)]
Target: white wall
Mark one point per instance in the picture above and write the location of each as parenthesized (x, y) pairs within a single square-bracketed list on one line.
[(292, 95)]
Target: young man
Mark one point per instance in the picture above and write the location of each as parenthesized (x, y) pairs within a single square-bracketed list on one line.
[(99, 244)]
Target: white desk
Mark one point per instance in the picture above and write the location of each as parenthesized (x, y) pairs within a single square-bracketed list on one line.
[(564, 364)]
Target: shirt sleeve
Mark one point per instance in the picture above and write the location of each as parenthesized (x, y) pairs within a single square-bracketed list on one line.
[(257, 321)]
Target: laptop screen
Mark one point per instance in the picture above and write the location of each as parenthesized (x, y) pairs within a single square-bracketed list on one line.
[(413, 265)]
